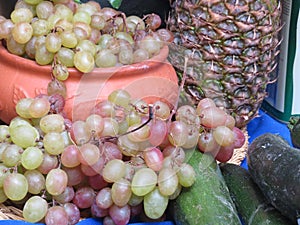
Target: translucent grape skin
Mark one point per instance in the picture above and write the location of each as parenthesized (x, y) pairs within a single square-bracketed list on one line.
[(56, 181), (56, 215), (15, 186), (84, 197), (35, 209)]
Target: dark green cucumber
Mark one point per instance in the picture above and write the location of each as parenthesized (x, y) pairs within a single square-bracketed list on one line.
[(207, 201), (275, 168), (251, 204)]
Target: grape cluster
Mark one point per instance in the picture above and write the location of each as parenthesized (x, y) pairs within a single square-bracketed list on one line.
[(83, 35), (116, 162), (125, 158)]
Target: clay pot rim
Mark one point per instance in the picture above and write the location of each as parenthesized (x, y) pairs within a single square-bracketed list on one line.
[(19, 61)]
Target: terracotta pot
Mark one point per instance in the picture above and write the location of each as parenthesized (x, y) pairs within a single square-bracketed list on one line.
[(151, 80)]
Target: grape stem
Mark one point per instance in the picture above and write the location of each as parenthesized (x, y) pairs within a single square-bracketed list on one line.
[(150, 117), (181, 86)]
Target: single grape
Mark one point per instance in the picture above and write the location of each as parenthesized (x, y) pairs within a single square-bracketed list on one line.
[(70, 156), (15, 186), (19, 15), (72, 212), (80, 132), (140, 55), (84, 197), (11, 155), (56, 215), (40, 27), (139, 135), (110, 127), (66, 196), (56, 87), (39, 107), (143, 181), (188, 115), (60, 71), (120, 215), (22, 107), (158, 131), (32, 158), (207, 143), (161, 110), (22, 32), (104, 198), (178, 133), (75, 175), (54, 143), (239, 137), (224, 136), (153, 158), (49, 162), (224, 154), (96, 211), (43, 56), (95, 124), (68, 39), (35, 209), (105, 58), (89, 154), (36, 181), (24, 135), (153, 21), (84, 61), (114, 170), (52, 123), (56, 181), (121, 192), (186, 175), (167, 181), (44, 9), (212, 117), (155, 204)]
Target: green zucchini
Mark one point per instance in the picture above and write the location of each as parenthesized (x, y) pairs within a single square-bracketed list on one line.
[(275, 168), (207, 201), (251, 204)]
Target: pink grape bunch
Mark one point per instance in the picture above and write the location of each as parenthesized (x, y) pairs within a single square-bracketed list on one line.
[(81, 35), (127, 158)]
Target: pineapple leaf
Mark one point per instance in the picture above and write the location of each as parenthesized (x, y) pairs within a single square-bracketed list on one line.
[(115, 3)]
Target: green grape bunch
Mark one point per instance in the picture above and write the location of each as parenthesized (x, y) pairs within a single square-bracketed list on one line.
[(81, 35)]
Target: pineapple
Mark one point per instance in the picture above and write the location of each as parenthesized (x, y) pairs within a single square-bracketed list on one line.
[(230, 47)]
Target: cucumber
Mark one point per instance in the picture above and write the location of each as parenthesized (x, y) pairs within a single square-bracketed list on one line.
[(251, 204), (275, 168), (207, 201)]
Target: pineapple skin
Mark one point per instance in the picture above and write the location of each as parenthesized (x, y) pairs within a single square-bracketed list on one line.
[(230, 48)]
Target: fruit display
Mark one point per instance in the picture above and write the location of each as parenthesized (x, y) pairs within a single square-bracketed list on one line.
[(70, 64), (110, 129), (83, 36), (274, 166), (127, 156), (231, 49), (251, 204)]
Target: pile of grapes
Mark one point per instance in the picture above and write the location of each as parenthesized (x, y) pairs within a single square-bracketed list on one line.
[(83, 35), (125, 159)]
